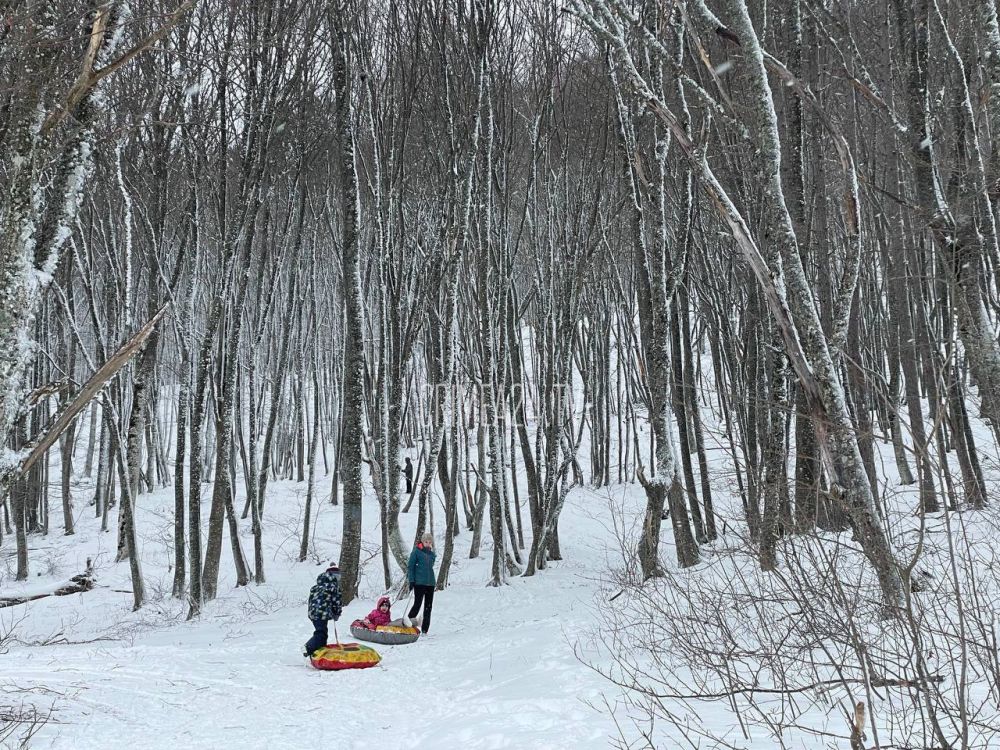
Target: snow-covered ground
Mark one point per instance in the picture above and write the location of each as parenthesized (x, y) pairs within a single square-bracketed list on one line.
[(502, 667), (499, 669)]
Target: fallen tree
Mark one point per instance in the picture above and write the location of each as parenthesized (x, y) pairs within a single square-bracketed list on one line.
[(76, 585)]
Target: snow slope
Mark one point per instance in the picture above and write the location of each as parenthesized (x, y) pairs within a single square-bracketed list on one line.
[(504, 667), (498, 669)]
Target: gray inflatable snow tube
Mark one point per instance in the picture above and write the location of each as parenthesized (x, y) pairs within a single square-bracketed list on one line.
[(386, 635)]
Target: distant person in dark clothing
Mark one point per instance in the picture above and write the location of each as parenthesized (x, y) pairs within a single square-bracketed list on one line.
[(408, 473)]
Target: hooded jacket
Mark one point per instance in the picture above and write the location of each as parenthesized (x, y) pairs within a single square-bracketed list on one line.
[(324, 596), (377, 617), (420, 569)]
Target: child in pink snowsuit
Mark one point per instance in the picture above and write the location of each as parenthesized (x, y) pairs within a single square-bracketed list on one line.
[(380, 615)]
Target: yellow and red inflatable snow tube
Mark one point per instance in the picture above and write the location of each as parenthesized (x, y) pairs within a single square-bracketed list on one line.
[(345, 656)]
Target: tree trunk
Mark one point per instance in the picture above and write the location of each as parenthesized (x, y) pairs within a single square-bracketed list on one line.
[(351, 461)]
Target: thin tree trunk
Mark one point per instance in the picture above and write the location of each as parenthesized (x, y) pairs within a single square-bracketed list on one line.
[(353, 414)]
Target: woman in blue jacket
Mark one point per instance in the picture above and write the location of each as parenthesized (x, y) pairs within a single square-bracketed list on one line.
[(420, 574)]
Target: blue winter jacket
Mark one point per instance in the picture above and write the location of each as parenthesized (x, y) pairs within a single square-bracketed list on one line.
[(324, 596), (420, 569)]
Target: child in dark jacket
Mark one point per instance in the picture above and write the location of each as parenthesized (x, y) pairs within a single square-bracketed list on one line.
[(324, 605)]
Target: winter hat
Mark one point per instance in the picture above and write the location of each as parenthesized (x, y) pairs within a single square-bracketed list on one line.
[(333, 567)]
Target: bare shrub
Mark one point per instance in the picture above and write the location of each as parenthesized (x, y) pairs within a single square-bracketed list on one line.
[(802, 654), (19, 723)]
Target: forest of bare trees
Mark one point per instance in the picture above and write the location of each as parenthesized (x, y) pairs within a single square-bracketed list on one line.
[(717, 249)]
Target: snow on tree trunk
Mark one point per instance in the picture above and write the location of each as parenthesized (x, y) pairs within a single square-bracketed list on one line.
[(654, 300), (354, 365), (39, 208), (989, 28), (846, 466), (802, 334)]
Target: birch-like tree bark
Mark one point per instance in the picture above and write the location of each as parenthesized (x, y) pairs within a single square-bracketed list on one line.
[(340, 19), (802, 333)]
